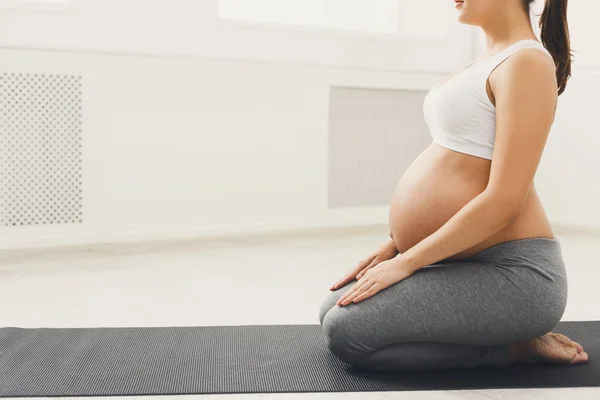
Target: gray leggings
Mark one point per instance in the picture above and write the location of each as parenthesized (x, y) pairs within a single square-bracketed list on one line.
[(460, 314)]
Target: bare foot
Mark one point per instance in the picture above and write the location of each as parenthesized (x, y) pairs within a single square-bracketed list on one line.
[(553, 348)]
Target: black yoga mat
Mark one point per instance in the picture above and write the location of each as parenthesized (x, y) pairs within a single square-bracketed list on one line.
[(239, 359)]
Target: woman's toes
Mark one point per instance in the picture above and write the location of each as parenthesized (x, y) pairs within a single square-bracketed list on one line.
[(580, 358), (568, 342), (578, 346)]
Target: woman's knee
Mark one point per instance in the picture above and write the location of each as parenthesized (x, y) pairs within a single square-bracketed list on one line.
[(323, 310), (343, 335), (330, 301), (326, 305)]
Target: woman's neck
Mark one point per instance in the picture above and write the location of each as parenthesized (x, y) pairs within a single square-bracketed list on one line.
[(507, 28)]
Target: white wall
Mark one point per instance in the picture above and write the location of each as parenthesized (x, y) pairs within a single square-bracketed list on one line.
[(569, 175), (568, 179), (194, 126)]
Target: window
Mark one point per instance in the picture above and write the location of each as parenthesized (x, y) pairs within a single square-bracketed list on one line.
[(36, 4), (408, 17)]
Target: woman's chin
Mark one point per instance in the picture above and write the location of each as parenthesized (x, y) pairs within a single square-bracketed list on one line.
[(463, 19)]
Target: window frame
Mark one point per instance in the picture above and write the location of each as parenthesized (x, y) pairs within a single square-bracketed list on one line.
[(347, 49), (38, 5), (323, 31)]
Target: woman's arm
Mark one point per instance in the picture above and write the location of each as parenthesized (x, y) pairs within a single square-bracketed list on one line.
[(525, 104)]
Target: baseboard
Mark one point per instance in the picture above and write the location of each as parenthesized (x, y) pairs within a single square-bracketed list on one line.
[(371, 221), (157, 241), (566, 229)]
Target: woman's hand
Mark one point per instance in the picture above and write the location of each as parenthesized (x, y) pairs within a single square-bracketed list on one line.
[(378, 278), (385, 252)]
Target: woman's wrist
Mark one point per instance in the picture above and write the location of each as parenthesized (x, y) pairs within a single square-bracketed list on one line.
[(405, 262)]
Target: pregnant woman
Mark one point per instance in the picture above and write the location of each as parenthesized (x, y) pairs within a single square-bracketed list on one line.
[(472, 275)]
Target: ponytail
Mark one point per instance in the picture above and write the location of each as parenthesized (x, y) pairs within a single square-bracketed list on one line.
[(555, 38)]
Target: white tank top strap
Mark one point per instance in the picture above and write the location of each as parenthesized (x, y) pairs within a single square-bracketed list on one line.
[(491, 63)]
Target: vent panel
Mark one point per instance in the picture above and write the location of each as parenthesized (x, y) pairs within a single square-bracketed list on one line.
[(40, 149), (374, 135)]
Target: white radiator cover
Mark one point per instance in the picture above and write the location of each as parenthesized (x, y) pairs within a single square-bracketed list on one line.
[(374, 135), (41, 154)]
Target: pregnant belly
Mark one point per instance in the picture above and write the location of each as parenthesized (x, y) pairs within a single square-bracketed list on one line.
[(437, 185), (434, 188)]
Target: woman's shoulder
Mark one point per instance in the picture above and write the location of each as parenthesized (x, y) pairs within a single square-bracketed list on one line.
[(529, 66)]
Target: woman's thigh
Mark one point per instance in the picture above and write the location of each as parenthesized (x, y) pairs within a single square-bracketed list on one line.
[(460, 302)]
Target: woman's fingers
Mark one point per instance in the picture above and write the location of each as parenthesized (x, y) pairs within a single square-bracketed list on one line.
[(364, 271), (347, 278), (364, 263), (357, 289), (343, 282), (352, 274), (340, 283), (366, 294)]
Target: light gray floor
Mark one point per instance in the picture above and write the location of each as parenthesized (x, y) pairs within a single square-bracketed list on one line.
[(259, 280)]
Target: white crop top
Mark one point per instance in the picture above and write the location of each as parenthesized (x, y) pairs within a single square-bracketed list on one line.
[(459, 113)]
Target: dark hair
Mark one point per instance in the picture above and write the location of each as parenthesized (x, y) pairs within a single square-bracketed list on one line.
[(555, 37)]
